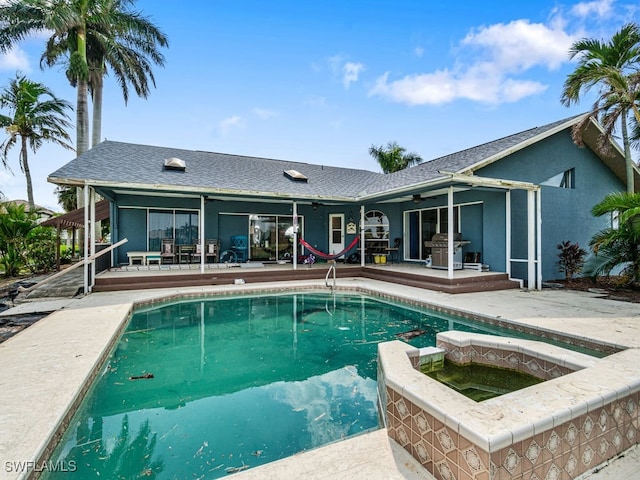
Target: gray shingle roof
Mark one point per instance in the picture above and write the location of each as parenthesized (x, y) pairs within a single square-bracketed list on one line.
[(123, 164)]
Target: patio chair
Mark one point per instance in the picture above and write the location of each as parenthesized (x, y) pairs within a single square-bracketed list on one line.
[(168, 251), (240, 246), (211, 250)]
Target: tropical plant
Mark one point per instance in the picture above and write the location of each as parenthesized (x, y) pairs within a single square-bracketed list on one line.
[(36, 116), (90, 34), (570, 259), (613, 66), (15, 224), (67, 197), (393, 157), (41, 254), (617, 246)]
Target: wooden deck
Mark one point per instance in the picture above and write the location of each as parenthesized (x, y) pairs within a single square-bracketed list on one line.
[(464, 281)]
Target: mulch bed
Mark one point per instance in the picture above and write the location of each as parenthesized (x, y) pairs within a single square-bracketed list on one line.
[(609, 287)]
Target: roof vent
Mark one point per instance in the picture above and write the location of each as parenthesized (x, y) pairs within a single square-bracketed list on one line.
[(175, 164), (295, 175)]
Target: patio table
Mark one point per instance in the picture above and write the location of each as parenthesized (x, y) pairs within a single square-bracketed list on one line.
[(144, 257)]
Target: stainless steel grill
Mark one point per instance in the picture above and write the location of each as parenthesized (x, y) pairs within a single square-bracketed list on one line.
[(439, 245)]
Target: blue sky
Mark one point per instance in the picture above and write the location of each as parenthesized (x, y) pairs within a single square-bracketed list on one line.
[(320, 82)]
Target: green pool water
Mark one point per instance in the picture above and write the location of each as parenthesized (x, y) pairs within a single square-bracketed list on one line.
[(201, 388), (482, 382)]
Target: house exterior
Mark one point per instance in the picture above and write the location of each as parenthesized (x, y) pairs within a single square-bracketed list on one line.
[(512, 201)]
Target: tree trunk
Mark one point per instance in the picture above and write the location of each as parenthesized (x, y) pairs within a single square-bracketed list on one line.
[(82, 118), (24, 163), (628, 161), (97, 111), (82, 109)]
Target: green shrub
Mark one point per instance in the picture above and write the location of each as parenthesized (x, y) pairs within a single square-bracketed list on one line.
[(41, 256)]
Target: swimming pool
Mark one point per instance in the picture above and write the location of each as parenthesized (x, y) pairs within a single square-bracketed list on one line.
[(201, 388)]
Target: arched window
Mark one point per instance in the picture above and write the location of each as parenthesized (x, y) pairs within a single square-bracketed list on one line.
[(376, 232)]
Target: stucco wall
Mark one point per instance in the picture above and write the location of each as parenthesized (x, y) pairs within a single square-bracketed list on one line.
[(566, 213)]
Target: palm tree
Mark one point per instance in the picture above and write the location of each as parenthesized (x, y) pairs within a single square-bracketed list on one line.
[(618, 245), (67, 197), (33, 120), (91, 34), (394, 157), (613, 66), (118, 41)]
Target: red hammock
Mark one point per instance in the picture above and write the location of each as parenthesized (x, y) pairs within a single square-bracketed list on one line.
[(327, 256)]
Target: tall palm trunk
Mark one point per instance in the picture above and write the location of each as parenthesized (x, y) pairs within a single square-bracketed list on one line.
[(27, 173), (96, 97), (82, 107), (628, 161)]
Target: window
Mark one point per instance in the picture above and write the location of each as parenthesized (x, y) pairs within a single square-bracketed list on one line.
[(565, 179), (376, 232), (272, 236), (181, 225)]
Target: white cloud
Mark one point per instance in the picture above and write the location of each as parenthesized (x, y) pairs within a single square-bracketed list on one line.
[(348, 72), (15, 59), (264, 114), (225, 125), (600, 8), (418, 52), (444, 86), (351, 72), (501, 54), (520, 45)]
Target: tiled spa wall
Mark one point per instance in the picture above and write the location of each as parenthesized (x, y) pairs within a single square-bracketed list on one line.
[(563, 452), (582, 442)]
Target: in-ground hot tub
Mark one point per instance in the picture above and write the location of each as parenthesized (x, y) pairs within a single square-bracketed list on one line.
[(585, 413)]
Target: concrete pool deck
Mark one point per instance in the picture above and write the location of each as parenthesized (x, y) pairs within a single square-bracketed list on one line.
[(46, 366)]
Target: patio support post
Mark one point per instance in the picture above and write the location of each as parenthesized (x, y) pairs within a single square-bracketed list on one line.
[(531, 240), (295, 235), (507, 223), (87, 227), (539, 237), (363, 251), (92, 245), (202, 252), (450, 231)]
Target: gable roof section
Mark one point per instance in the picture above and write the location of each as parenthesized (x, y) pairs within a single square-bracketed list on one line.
[(469, 160)]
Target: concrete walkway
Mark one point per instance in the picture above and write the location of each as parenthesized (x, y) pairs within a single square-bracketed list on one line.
[(46, 365)]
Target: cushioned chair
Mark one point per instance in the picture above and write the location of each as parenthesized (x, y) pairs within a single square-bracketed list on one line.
[(240, 246)]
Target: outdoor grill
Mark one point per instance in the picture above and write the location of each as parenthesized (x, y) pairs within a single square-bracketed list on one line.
[(439, 245)]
